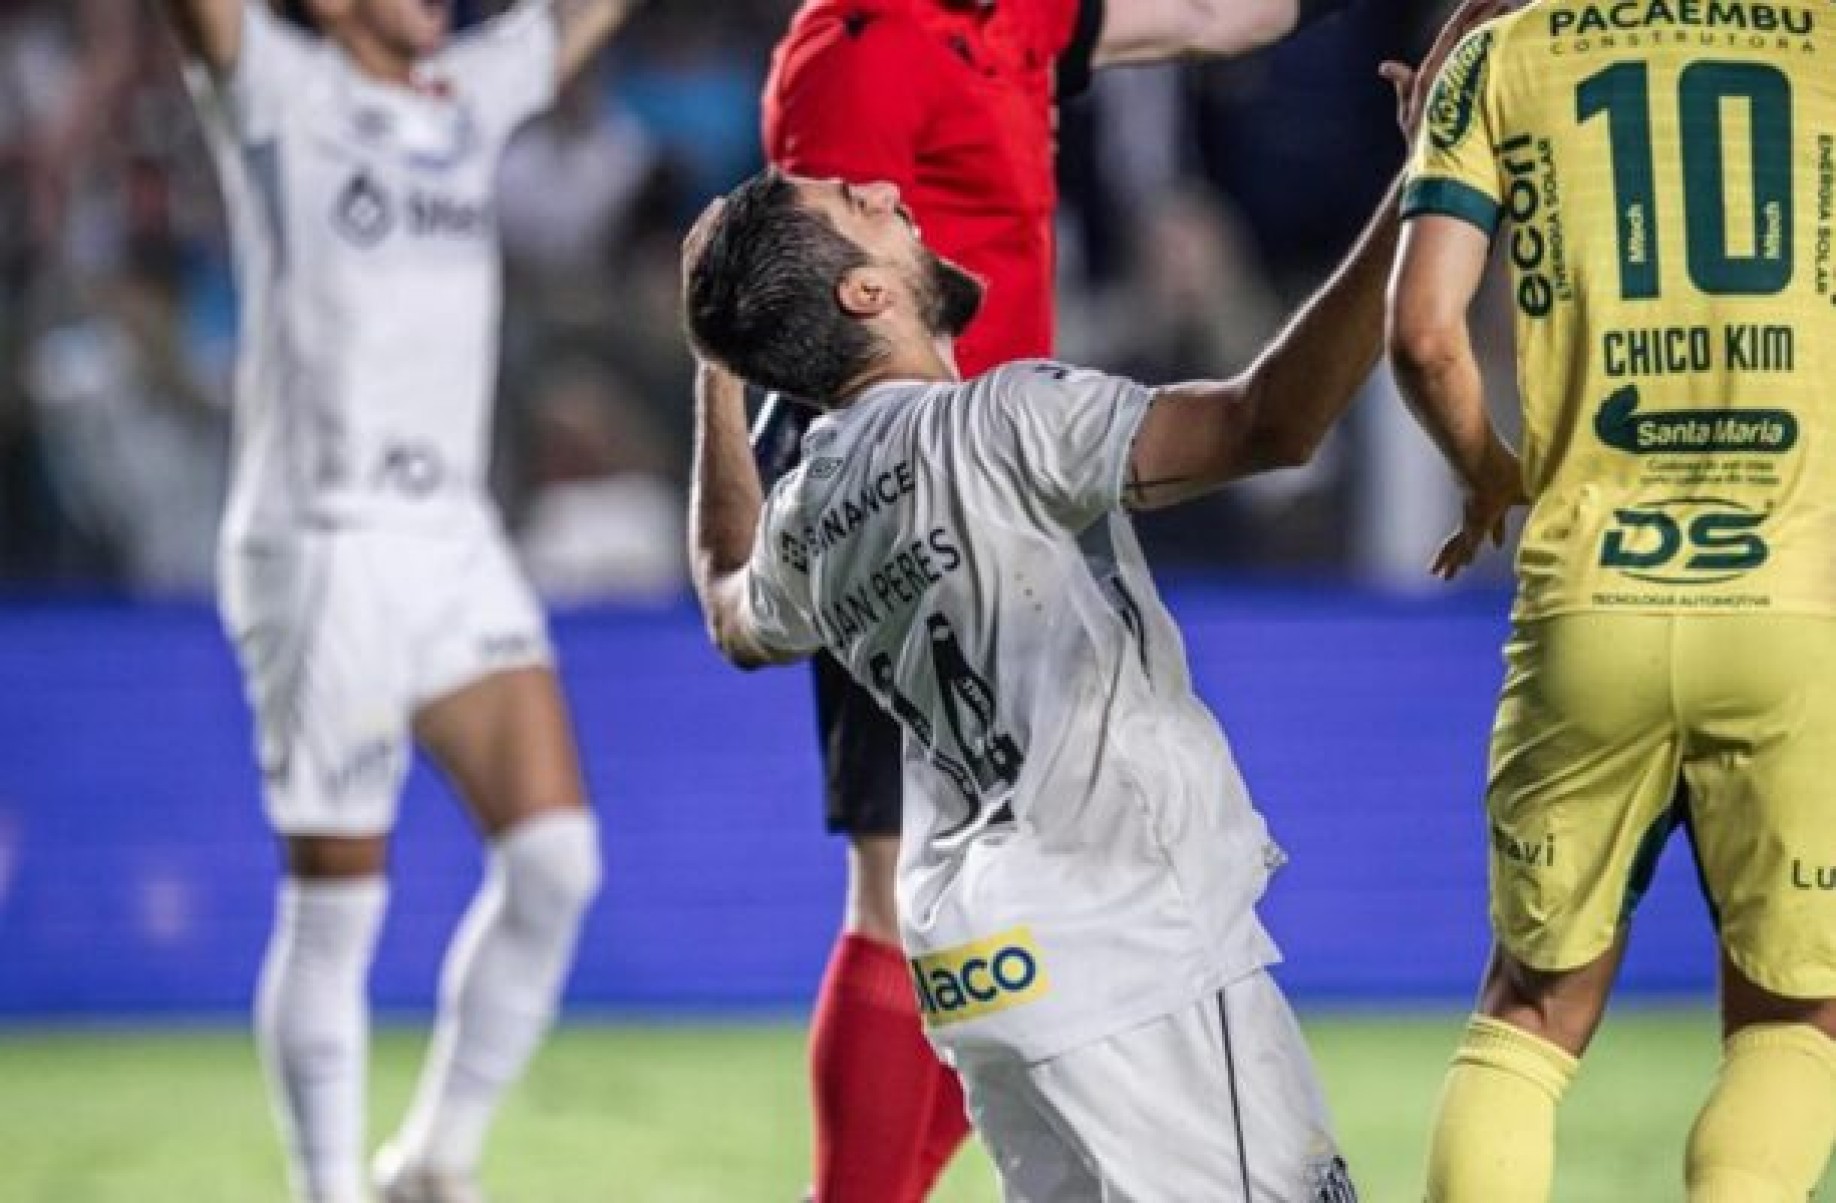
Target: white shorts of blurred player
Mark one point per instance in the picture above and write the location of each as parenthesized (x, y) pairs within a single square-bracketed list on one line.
[(1218, 1102), (344, 635)]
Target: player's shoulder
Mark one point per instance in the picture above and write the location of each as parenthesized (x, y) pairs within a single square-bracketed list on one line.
[(274, 43), (509, 33), (828, 35), (1514, 35), (1026, 391), (1040, 375)]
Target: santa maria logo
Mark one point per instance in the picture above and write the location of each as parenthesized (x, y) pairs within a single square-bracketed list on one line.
[(1456, 93), (973, 981)]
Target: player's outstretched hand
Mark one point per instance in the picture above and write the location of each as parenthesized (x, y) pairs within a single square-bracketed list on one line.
[(1414, 84), (1489, 502)]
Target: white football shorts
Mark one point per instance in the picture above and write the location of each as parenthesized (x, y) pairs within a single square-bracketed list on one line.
[(343, 635), (1217, 1103)]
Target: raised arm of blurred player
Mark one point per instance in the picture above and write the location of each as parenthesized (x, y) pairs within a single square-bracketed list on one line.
[(1149, 31), (584, 27), (1201, 435), (1438, 272), (210, 30)]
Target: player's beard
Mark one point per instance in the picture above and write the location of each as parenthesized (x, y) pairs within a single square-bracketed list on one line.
[(952, 297)]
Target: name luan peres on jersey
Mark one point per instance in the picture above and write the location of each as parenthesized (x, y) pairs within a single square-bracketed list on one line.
[(1662, 175), (1079, 854)]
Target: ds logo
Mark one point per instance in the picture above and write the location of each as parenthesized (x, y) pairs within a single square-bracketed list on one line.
[(980, 979), (1665, 547)]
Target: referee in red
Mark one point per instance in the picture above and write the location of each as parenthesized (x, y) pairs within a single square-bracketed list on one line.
[(954, 101)]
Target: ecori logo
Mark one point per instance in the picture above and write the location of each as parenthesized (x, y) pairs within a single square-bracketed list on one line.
[(976, 980)]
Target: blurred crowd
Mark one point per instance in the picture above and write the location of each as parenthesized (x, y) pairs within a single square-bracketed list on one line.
[(1200, 202)]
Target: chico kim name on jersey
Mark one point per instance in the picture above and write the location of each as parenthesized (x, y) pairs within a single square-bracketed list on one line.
[(972, 981)]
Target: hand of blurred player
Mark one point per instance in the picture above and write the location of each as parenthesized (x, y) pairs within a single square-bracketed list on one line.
[(1489, 502), (1414, 84)]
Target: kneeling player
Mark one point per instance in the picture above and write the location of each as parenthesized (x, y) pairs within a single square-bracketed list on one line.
[(1080, 858)]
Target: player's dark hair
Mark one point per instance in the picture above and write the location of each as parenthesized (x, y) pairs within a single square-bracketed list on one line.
[(761, 297)]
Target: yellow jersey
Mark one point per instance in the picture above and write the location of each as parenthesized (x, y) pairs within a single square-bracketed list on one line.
[(1662, 177)]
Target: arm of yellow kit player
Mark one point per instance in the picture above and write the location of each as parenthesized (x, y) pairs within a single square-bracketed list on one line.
[(1439, 268), (584, 27)]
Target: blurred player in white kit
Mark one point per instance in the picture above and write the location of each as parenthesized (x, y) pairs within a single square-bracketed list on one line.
[(366, 580)]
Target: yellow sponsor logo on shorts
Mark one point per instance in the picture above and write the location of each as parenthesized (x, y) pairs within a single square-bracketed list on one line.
[(976, 980)]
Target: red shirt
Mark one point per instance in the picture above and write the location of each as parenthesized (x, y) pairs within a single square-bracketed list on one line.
[(953, 102)]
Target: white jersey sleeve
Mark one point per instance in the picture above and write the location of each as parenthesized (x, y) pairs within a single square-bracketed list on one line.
[(510, 65), (270, 62), (1068, 432), (778, 601)]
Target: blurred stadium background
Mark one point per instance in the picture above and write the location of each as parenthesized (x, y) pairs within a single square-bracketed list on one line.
[(136, 874)]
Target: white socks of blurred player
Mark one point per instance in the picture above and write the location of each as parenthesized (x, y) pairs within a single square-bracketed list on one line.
[(499, 992), (501, 986), (312, 1025)]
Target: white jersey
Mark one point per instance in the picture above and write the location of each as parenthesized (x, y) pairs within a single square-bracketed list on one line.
[(1079, 853), (367, 260)]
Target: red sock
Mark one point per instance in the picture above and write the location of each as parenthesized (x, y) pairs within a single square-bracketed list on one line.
[(948, 1128), (875, 1081)]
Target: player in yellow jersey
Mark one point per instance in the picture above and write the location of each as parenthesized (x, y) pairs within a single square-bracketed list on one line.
[(1661, 177)]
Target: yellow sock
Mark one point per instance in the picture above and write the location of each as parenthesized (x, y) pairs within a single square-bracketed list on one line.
[(1494, 1133), (1765, 1134)]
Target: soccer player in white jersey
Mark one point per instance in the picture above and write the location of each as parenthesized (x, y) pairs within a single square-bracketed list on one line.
[(366, 581), (1081, 861)]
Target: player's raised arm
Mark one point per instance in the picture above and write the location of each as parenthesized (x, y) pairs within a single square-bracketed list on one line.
[(584, 27), (1453, 205), (209, 30), (724, 507), (1201, 435), (1150, 31), (1438, 272)]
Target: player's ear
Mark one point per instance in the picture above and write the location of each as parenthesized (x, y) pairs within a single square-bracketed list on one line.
[(865, 292)]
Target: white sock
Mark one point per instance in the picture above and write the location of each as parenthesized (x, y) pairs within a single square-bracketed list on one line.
[(312, 1027), (501, 984)]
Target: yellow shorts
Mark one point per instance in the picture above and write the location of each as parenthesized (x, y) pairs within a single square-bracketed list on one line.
[(1614, 730)]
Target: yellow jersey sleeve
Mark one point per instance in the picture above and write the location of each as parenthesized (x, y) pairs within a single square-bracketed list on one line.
[(1454, 171)]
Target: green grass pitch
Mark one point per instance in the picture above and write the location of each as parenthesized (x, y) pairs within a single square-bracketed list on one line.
[(716, 1114)]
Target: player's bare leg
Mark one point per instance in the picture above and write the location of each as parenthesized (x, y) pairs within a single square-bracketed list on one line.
[(1493, 1139), (1766, 1131), (889, 1114), (507, 746), (873, 909), (312, 1013)]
